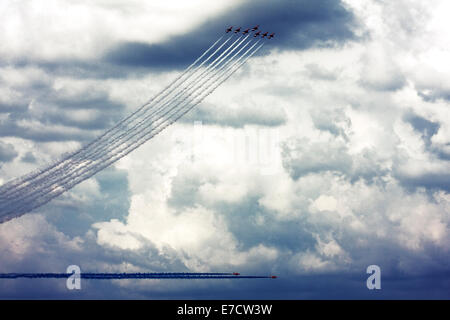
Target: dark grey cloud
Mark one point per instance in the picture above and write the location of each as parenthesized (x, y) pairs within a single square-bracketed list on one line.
[(13, 107), (422, 125), (298, 24), (7, 152)]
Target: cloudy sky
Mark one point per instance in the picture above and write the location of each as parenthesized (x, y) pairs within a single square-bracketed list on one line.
[(326, 153)]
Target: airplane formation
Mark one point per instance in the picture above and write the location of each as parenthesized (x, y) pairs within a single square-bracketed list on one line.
[(255, 28)]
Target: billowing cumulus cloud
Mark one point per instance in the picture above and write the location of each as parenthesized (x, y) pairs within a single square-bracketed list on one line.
[(325, 154)]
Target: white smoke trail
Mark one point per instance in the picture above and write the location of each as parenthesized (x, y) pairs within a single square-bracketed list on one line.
[(74, 164), (73, 180), (225, 76), (72, 161), (67, 176), (26, 179)]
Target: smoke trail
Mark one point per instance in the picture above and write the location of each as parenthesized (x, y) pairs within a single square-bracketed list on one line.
[(187, 102), (51, 184), (76, 180), (74, 162), (111, 144), (110, 276), (14, 183), (180, 96), (60, 189)]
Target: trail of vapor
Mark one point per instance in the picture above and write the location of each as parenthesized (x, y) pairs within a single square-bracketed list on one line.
[(110, 276), (62, 183), (98, 150), (151, 118), (111, 143), (58, 189), (73, 161), (15, 182), (11, 185), (58, 167)]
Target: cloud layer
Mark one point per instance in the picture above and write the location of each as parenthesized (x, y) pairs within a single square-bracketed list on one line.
[(325, 154)]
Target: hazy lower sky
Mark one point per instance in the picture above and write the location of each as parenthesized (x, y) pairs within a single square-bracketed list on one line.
[(326, 153)]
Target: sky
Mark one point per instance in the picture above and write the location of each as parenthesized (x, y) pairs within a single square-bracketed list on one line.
[(326, 153)]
